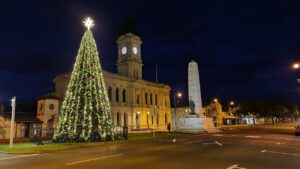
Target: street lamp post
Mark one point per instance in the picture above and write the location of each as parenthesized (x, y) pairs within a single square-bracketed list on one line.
[(176, 97), (12, 122), (153, 124), (230, 107)]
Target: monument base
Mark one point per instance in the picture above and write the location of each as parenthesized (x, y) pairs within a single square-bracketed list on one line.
[(196, 124)]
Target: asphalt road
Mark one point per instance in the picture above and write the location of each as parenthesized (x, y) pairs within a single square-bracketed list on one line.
[(230, 149)]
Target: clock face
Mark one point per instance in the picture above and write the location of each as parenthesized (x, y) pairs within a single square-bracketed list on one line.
[(124, 50), (134, 49), (51, 106)]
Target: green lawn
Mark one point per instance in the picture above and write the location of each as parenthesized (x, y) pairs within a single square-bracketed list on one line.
[(288, 128), (53, 147)]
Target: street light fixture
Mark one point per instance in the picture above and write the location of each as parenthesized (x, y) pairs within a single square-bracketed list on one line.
[(215, 100), (296, 65), (177, 96)]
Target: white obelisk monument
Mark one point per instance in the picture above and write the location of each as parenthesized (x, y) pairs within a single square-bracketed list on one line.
[(195, 121), (194, 86)]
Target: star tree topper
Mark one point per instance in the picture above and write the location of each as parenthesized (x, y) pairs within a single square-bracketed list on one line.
[(88, 23)]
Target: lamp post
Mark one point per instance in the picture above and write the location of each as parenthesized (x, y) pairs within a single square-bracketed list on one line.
[(12, 122), (296, 66), (153, 124), (177, 96), (230, 108)]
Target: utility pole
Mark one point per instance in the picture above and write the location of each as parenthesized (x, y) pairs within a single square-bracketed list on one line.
[(12, 122)]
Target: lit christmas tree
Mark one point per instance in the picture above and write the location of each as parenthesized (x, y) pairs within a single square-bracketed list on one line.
[(85, 113)]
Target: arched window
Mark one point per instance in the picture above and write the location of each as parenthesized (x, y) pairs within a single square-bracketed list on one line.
[(152, 119), (118, 119), (125, 119), (146, 98), (117, 94), (109, 93), (166, 118), (155, 99), (124, 95), (151, 101), (137, 99)]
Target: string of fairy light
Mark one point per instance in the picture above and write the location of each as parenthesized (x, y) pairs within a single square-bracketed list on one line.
[(85, 113)]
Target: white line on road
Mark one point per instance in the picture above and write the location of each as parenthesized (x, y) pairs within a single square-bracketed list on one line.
[(207, 143), (274, 152), (191, 142), (252, 136), (93, 159), (235, 166), (21, 156), (218, 135), (218, 143)]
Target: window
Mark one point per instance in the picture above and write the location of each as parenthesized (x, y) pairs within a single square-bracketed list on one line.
[(152, 119), (41, 107), (117, 94), (157, 119), (166, 118), (109, 93), (118, 119), (146, 98), (151, 99), (124, 95), (137, 99), (125, 119), (155, 99)]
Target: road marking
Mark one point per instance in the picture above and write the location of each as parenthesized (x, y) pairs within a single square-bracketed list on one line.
[(275, 152), (235, 166), (14, 157), (191, 142), (218, 135), (208, 143), (253, 136), (93, 159), (218, 143)]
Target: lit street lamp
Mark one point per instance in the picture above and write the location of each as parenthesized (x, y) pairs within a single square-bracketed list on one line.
[(231, 105), (296, 66), (177, 96), (12, 122), (215, 100)]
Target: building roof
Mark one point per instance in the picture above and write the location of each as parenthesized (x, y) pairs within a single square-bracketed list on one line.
[(48, 96), (117, 76), (22, 117)]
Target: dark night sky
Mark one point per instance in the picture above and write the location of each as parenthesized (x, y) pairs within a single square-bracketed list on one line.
[(244, 49)]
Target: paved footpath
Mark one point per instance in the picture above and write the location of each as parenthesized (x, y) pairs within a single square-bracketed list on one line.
[(226, 150)]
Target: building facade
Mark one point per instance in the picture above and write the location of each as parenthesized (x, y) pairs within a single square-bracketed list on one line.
[(135, 102)]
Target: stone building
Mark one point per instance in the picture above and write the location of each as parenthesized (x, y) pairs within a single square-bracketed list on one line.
[(24, 125), (135, 102)]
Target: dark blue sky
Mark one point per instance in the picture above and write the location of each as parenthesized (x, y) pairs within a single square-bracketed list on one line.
[(244, 49)]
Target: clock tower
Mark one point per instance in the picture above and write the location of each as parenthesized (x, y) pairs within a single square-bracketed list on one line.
[(129, 56)]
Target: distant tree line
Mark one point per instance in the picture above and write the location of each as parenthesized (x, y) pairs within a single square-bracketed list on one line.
[(270, 111)]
